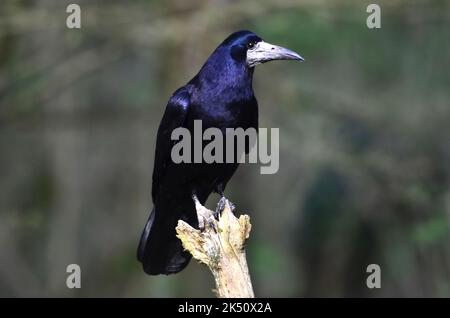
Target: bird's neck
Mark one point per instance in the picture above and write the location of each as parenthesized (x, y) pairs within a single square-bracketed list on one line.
[(224, 76)]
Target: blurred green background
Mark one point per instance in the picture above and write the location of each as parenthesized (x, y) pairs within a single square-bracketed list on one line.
[(364, 144)]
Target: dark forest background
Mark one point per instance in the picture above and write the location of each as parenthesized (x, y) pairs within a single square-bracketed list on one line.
[(364, 144)]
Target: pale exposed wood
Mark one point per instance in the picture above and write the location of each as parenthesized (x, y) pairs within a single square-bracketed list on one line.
[(221, 246)]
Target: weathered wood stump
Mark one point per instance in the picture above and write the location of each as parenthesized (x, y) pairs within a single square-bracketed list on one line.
[(220, 244)]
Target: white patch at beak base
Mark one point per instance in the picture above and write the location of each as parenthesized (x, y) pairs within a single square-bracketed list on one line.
[(264, 52)]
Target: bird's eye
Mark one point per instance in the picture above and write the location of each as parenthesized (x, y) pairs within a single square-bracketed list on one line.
[(250, 45)]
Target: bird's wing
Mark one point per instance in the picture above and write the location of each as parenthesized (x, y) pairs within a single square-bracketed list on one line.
[(174, 117)]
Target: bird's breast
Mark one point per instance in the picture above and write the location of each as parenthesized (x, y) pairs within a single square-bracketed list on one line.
[(222, 115)]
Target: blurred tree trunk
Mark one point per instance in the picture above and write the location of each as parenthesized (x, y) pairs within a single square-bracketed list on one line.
[(64, 145)]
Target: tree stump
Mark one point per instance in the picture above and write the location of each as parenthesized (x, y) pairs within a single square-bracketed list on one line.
[(220, 244)]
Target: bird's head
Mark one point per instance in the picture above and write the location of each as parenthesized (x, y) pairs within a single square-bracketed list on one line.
[(248, 48)]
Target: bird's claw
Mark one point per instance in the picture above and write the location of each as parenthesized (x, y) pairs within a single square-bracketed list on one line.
[(204, 218), (232, 206), (204, 215), (221, 206)]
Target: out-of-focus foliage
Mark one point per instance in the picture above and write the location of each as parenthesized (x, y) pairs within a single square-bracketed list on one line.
[(364, 144)]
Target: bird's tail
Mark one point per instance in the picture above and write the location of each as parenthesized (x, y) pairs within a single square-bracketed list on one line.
[(160, 251)]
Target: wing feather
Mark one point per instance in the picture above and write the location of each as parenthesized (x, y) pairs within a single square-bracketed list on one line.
[(174, 117)]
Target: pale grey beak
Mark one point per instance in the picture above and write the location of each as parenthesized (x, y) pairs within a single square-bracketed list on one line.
[(264, 52)]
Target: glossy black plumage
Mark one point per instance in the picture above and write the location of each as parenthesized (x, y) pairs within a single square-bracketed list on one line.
[(221, 95)]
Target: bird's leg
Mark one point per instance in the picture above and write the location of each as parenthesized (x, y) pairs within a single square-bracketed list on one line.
[(220, 206), (203, 214)]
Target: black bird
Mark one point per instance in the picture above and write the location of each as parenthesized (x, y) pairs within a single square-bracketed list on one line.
[(221, 95)]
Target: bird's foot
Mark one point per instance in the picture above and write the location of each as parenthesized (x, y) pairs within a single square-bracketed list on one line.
[(204, 215), (221, 206)]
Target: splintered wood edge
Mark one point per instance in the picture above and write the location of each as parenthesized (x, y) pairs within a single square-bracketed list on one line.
[(201, 244), (192, 241), (221, 246), (233, 230)]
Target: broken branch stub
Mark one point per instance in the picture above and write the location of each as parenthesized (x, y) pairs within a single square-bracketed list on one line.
[(220, 244)]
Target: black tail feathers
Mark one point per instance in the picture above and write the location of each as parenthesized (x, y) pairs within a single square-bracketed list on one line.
[(160, 251)]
